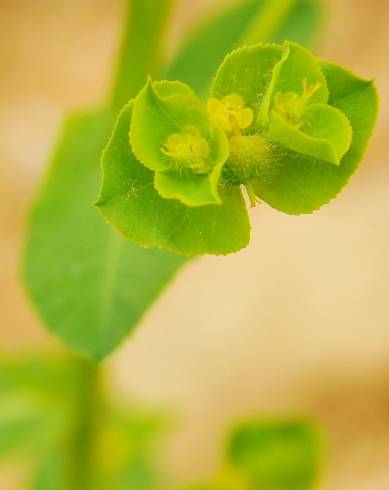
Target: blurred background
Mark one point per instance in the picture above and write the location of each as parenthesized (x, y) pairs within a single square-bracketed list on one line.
[(296, 324)]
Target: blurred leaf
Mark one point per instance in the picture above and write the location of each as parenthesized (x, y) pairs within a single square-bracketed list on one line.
[(52, 472), (199, 57), (28, 422), (277, 455), (126, 451), (35, 402), (89, 285), (36, 374)]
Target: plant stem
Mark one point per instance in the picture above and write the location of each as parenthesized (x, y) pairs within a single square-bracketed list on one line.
[(268, 20), (82, 444), (142, 47)]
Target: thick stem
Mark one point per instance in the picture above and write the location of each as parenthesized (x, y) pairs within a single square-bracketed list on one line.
[(142, 47), (87, 398), (268, 20), (251, 194)]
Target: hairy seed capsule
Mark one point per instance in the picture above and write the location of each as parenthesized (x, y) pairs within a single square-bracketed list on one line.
[(250, 157)]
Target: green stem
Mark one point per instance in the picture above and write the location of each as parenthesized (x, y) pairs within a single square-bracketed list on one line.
[(142, 47), (268, 21), (251, 194), (83, 437)]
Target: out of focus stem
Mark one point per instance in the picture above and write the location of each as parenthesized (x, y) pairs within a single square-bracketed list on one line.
[(268, 21), (87, 411), (142, 47)]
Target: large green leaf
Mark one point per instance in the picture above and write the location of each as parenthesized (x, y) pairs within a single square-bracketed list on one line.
[(130, 202), (88, 285), (79, 274), (196, 62), (91, 287)]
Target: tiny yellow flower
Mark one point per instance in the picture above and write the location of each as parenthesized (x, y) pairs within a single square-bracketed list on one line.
[(230, 113), (189, 149), (291, 105)]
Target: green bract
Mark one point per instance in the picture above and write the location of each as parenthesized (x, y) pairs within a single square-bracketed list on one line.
[(184, 149), (130, 201), (289, 128)]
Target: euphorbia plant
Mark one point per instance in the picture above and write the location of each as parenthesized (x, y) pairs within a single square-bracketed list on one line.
[(186, 159)]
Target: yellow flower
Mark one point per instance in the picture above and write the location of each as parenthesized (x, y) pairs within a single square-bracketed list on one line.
[(230, 113), (189, 148), (291, 106)]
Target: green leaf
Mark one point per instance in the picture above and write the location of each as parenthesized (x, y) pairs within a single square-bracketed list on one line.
[(296, 80), (28, 421), (247, 72), (156, 117), (77, 271), (206, 48), (326, 133), (304, 184), (277, 455), (34, 399), (295, 106), (35, 374), (52, 468), (130, 202), (89, 286), (166, 110), (298, 66), (259, 73), (192, 190)]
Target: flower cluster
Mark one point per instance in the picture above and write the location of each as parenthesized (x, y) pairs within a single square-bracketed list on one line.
[(278, 122)]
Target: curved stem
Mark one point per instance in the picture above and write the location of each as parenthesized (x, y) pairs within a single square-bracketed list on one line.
[(142, 47), (268, 20)]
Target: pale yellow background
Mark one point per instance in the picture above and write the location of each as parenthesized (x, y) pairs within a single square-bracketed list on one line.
[(296, 324)]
